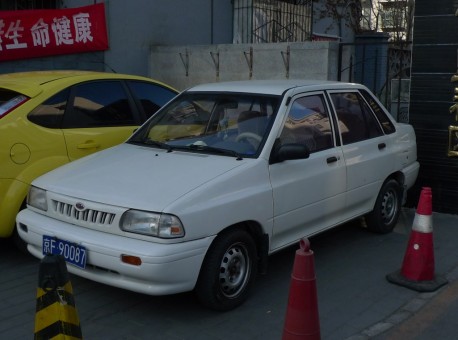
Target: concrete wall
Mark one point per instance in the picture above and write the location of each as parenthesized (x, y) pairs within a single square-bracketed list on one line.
[(186, 65), (136, 25)]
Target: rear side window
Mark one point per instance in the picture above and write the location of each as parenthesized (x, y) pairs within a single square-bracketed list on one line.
[(386, 123), (150, 96), (99, 104), (50, 113), (356, 121), (9, 100)]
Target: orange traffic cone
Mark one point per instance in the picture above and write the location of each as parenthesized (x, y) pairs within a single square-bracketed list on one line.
[(302, 319), (417, 270)]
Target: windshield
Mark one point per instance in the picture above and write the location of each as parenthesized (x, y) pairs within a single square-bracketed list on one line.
[(227, 124)]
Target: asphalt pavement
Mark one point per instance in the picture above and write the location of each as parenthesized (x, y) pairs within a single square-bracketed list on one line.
[(355, 300)]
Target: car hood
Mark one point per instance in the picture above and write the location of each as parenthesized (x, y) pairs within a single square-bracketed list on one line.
[(136, 176)]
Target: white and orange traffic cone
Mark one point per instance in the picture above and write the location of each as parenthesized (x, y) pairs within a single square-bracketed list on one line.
[(417, 270), (302, 319)]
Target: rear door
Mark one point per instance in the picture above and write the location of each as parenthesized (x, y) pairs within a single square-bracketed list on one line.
[(367, 150), (31, 140), (308, 194)]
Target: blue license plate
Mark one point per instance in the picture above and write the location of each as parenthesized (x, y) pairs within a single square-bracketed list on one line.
[(72, 252)]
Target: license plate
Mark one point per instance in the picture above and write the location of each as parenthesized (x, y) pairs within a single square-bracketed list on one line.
[(72, 252)]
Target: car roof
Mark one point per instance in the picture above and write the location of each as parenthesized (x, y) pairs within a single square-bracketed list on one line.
[(274, 87), (30, 83)]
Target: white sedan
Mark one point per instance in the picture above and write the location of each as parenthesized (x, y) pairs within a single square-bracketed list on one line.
[(221, 177)]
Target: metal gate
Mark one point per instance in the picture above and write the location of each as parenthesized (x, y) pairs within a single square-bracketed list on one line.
[(383, 67)]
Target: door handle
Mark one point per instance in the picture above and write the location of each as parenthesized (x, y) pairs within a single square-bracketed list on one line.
[(332, 159), (88, 145), (381, 146)]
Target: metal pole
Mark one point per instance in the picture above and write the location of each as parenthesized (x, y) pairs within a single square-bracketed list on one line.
[(211, 21), (375, 73), (339, 63)]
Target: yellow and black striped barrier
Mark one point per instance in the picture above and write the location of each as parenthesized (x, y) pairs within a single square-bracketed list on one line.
[(56, 316)]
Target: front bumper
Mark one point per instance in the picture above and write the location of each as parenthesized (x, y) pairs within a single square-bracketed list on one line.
[(166, 268)]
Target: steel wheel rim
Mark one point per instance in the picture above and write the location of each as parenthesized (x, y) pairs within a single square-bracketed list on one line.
[(234, 270), (389, 206)]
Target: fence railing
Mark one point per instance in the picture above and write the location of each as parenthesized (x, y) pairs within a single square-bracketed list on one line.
[(266, 21)]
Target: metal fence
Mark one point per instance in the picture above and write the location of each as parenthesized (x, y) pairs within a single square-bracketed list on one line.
[(382, 67), (267, 21)]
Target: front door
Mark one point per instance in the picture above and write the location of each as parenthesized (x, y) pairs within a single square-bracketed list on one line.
[(100, 116), (308, 194)]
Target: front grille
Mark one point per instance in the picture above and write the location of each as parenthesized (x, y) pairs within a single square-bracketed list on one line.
[(69, 212)]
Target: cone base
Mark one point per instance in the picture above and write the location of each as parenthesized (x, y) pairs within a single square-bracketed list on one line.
[(419, 286)]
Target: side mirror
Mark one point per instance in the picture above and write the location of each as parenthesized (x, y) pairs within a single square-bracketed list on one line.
[(285, 152)]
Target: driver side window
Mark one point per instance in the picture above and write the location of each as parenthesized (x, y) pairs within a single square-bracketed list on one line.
[(308, 124), (99, 104)]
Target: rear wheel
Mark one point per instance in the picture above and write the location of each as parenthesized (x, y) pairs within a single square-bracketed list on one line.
[(228, 271), (387, 208)]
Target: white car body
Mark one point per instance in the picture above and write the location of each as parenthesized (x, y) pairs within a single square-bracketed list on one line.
[(277, 203)]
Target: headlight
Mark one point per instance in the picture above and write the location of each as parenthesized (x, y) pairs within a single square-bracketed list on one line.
[(37, 198), (152, 224)]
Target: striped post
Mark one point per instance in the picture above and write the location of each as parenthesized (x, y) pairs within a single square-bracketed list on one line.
[(56, 315)]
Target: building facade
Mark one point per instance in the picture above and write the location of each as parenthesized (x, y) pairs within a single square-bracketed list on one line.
[(136, 26), (133, 27), (433, 91)]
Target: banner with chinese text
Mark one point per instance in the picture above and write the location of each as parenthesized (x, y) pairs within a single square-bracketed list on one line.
[(39, 33)]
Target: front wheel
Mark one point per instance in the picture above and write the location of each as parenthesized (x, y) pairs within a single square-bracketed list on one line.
[(228, 271), (387, 208)]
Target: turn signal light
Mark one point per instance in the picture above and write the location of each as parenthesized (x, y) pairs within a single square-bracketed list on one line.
[(130, 259)]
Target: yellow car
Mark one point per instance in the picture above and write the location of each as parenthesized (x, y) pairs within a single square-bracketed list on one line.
[(49, 118)]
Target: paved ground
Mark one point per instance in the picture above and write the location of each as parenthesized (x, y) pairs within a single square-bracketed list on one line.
[(355, 299), (435, 320)]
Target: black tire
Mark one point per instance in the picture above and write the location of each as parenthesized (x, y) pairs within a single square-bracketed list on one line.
[(228, 271), (387, 208)]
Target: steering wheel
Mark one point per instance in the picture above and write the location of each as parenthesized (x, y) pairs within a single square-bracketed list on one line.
[(248, 135)]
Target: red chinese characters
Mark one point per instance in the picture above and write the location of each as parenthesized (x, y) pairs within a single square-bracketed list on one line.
[(38, 33)]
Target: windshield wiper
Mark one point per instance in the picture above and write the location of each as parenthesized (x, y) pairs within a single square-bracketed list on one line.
[(214, 150), (148, 141)]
